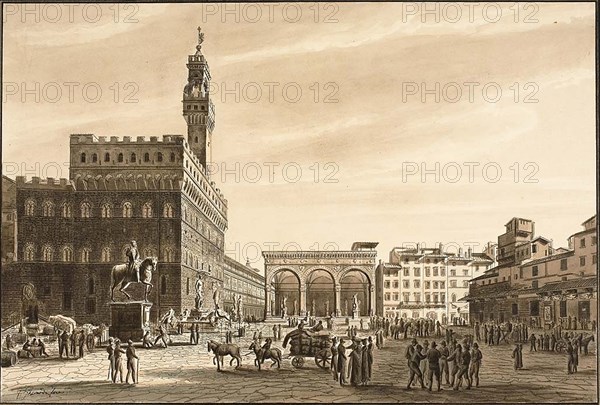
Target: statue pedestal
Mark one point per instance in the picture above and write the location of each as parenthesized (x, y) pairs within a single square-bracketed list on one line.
[(129, 320), (355, 314)]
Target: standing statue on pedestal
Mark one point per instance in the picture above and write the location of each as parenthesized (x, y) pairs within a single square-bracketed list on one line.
[(199, 293), (238, 307), (295, 308), (313, 308), (284, 307)]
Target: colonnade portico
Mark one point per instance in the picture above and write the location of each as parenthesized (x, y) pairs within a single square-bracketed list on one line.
[(328, 276)]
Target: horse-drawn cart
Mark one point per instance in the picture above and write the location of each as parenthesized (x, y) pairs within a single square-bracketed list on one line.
[(305, 344)]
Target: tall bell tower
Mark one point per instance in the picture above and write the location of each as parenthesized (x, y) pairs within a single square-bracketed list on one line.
[(198, 110)]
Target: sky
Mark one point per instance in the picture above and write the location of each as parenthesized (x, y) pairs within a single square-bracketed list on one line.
[(335, 123)]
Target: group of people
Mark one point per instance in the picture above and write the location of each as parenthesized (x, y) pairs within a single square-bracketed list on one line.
[(116, 360), (354, 362), (454, 362), (68, 343), (27, 346)]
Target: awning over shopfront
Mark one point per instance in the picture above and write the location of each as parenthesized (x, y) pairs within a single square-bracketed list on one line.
[(582, 283)]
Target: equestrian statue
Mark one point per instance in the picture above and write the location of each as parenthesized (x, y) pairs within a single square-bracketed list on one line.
[(134, 271)]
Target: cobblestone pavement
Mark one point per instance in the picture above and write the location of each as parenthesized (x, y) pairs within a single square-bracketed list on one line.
[(185, 373)]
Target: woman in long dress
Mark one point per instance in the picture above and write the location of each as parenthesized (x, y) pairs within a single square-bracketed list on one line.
[(517, 354)]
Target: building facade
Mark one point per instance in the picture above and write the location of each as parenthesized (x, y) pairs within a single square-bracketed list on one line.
[(427, 283), (320, 283), (245, 282), (9, 221), (72, 231), (542, 285)]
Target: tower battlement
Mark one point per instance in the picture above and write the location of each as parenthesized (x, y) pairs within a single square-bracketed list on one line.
[(49, 183)]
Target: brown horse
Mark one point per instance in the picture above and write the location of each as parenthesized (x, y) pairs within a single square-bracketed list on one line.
[(120, 275), (221, 350), (273, 353)]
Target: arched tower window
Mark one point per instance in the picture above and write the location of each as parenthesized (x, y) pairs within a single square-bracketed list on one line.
[(66, 210), (168, 210), (168, 255), (120, 158), (83, 158), (29, 207), (47, 254), (86, 210), (106, 210), (106, 254), (107, 157), (146, 157), (127, 209), (48, 209), (85, 255), (94, 158), (133, 158), (172, 156), (159, 157), (29, 253), (67, 254), (147, 210)]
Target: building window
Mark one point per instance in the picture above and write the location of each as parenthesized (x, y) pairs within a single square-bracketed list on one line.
[(453, 297), (159, 157), (127, 210), (163, 285), (435, 285), (418, 297), (146, 157), (515, 309), (395, 284), (435, 298), (120, 158), (168, 210), (106, 210), (533, 248), (453, 283), (563, 309), (172, 157), (405, 283), (187, 286), (534, 271), (85, 255), (91, 286), (30, 208), (387, 296), (106, 254), (386, 284), (86, 209), (427, 285), (406, 297), (582, 243), (406, 272), (443, 272), (594, 258), (47, 254), (534, 308), (83, 158), (594, 240), (67, 254), (48, 209), (395, 296), (427, 298), (417, 272), (582, 260), (94, 158), (417, 284), (465, 272), (67, 303), (66, 210), (563, 264), (427, 272), (133, 158), (442, 285), (452, 273), (107, 157), (435, 272), (90, 305), (29, 253), (147, 210), (534, 284), (443, 297)]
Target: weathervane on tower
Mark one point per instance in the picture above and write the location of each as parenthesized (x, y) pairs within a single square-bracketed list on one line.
[(200, 40)]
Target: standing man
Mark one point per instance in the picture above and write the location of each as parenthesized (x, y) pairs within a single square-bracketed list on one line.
[(133, 256), (132, 363), (81, 343), (413, 366), (342, 359), (274, 332), (118, 370), (463, 371), (64, 338), (476, 357), (532, 342), (444, 354), (517, 354), (192, 334), (279, 331), (197, 333), (110, 349), (433, 361), (334, 358), (72, 343)]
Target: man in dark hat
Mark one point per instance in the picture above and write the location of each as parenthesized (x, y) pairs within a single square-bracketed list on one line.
[(476, 358), (433, 361), (341, 369), (413, 366)]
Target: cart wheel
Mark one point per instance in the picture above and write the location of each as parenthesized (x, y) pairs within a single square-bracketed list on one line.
[(298, 361), (322, 359)]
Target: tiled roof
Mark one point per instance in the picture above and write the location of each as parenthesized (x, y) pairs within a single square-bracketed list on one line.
[(489, 291), (548, 258), (588, 282)]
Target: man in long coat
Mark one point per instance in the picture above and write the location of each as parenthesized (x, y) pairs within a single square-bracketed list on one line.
[(356, 364), (342, 359), (365, 368), (334, 358)]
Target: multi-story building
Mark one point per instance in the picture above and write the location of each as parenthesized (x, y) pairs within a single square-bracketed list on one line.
[(541, 285), (9, 221), (427, 282), (72, 231), (245, 282)]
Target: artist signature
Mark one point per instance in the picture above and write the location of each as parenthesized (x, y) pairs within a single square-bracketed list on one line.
[(28, 392)]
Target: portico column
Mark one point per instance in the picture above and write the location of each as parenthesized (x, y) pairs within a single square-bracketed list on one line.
[(268, 313), (371, 300), (303, 299), (338, 299)]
